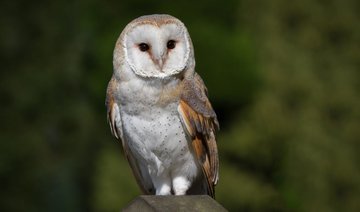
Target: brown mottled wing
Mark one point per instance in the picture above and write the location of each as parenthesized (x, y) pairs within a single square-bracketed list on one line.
[(200, 122), (113, 117)]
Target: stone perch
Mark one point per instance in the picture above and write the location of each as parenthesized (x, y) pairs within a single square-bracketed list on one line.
[(145, 203)]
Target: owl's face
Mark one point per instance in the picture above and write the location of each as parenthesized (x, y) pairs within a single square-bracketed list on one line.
[(156, 47)]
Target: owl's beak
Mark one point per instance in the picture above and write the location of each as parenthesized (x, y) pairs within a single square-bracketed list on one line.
[(160, 60)]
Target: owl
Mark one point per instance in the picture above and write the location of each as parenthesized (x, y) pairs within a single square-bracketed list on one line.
[(157, 106)]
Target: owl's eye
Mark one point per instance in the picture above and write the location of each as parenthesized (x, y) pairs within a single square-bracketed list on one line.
[(143, 47), (171, 44)]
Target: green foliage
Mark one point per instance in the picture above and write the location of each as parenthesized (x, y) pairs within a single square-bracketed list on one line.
[(283, 78), (112, 187)]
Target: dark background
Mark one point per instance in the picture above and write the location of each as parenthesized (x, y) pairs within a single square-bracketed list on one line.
[(283, 78)]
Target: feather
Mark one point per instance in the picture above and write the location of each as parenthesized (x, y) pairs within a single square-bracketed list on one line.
[(114, 120), (200, 122)]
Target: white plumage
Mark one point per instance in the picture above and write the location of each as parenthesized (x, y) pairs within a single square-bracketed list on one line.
[(156, 102)]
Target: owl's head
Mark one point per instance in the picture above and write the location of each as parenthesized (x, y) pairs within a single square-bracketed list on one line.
[(154, 46)]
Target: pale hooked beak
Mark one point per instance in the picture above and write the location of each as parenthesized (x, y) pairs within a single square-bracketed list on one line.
[(160, 60)]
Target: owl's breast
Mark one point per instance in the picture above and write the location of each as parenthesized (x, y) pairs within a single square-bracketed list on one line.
[(151, 124), (157, 137), (148, 92)]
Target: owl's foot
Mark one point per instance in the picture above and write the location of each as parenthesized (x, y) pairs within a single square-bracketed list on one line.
[(163, 187), (181, 185)]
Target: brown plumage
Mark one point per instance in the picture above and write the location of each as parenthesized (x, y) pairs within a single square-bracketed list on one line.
[(200, 122)]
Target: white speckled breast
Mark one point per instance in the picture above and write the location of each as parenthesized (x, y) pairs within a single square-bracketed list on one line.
[(153, 130)]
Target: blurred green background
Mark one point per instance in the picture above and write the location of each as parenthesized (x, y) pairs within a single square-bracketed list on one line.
[(283, 77)]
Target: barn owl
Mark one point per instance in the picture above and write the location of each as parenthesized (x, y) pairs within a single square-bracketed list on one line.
[(157, 105)]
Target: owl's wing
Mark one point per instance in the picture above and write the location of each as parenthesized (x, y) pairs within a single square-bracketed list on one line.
[(200, 122), (113, 113), (114, 120)]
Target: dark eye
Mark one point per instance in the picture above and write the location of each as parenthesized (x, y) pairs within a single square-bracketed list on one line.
[(171, 44), (143, 47)]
